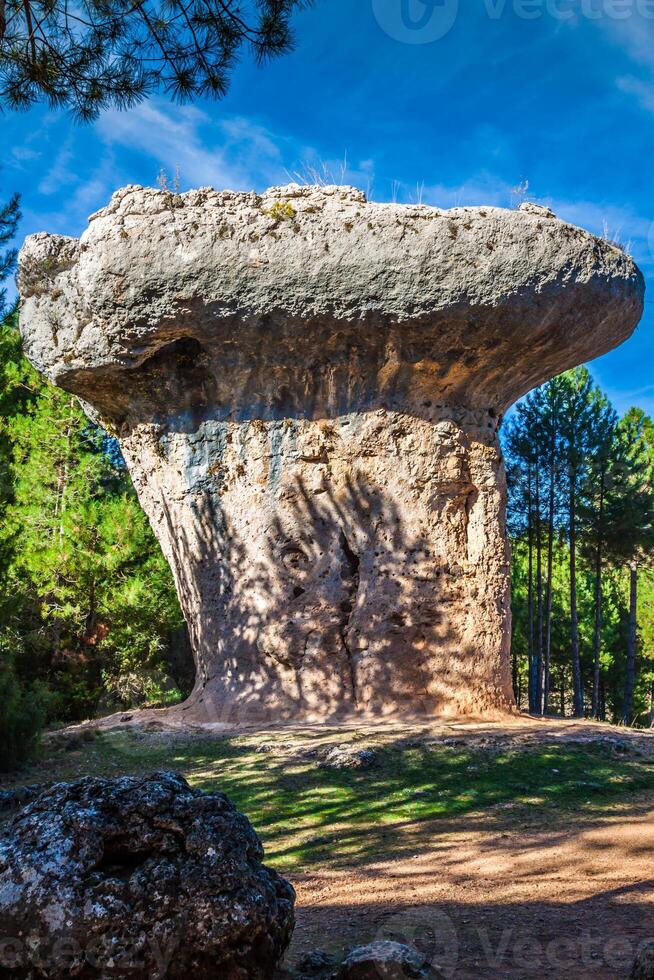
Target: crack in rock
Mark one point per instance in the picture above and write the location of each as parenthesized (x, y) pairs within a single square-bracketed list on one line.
[(353, 564)]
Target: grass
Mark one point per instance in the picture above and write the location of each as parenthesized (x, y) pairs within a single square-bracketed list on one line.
[(311, 816)]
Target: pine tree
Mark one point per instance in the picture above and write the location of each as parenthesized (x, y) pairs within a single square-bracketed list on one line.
[(547, 405), (566, 467), (630, 524), (89, 593), (592, 510), (522, 450), (9, 218), (91, 55), (579, 429)]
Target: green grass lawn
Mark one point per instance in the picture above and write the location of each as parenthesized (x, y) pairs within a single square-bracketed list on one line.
[(309, 816)]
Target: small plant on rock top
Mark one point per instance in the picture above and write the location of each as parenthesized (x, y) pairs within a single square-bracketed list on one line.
[(281, 211)]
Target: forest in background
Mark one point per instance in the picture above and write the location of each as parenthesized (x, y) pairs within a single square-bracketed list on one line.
[(89, 619), (581, 523)]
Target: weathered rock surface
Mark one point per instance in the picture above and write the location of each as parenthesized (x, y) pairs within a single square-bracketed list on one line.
[(138, 877), (386, 960), (307, 388)]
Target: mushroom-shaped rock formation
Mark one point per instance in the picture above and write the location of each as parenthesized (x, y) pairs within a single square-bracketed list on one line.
[(307, 388)]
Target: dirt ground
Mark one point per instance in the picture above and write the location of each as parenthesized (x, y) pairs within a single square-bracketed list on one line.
[(539, 898), (556, 903)]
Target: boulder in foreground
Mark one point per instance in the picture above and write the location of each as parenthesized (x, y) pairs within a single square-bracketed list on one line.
[(643, 966), (141, 877)]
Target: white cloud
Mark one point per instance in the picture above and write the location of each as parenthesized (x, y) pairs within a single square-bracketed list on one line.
[(73, 209), (232, 153), (60, 173), (643, 91), (24, 153), (635, 36), (634, 33)]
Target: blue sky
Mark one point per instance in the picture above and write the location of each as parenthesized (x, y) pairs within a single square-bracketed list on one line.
[(449, 101)]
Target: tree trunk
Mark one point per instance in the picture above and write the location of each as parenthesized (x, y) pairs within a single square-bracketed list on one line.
[(538, 670), (630, 672), (550, 593), (598, 602), (530, 596), (92, 614), (578, 693)]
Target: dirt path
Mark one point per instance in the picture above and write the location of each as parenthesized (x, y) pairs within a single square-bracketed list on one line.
[(551, 903)]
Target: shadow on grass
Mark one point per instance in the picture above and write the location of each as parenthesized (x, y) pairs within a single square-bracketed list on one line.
[(311, 816)]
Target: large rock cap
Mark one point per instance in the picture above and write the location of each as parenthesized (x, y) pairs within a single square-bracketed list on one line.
[(474, 305)]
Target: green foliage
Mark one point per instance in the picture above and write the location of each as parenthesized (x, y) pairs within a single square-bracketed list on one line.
[(9, 218), (87, 594), (92, 56), (87, 601), (22, 717), (630, 510)]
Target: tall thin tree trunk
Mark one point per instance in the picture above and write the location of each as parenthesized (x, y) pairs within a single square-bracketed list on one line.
[(547, 661), (530, 596), (92, 614), (577, 689), (538, 671), (598, 601), (630, 672), (63, 470)]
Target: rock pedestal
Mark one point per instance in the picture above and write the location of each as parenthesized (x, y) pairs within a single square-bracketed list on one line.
[(307, 388)]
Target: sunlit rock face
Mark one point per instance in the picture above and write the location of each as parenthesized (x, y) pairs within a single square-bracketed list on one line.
[(307, 388)]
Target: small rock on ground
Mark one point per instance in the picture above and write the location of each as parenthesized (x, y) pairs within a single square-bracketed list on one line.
[(386, 960)]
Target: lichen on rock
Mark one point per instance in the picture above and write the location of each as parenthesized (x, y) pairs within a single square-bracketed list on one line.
[(309, 407), (140, 877)]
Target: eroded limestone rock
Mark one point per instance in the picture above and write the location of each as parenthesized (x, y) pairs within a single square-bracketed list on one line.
[(139, 877), (643, 965), (307, 389)]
